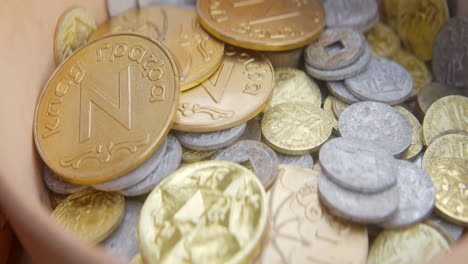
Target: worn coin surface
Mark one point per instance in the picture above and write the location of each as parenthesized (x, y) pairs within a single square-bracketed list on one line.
[(220, 206), (191, 156), (338, 107), (210, 140), (416, 138), (416, 67), (90, 214), (447, 146), (383, 40), (58, 185), (303, 161), (296, 128), (252, 131), (117, 7), (339, 90), (358, 14), (383, 81), (379, 123), (432, 92), (263, 25)]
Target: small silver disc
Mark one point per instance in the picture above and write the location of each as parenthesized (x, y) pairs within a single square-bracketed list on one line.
[(58, 185), (210, 140), (339, 90), (357, 14)]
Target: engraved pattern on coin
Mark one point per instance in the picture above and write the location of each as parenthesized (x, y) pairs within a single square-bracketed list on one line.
[(416, 67), (210, 140), (383, 40), (58, 185), (339, 90), (416, 138), (303, 161), (358, 14), (446, 147)]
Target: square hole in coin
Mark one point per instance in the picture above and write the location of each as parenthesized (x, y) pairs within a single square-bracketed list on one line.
[(334, 47)]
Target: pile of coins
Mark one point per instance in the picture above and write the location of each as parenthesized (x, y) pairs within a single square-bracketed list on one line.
[(259, 131)]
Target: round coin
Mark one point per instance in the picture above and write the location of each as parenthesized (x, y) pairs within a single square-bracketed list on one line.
[(431, 92), (327, 106), (447, 146), (338, 107), (191, 156), (252, 131), (56, 198), (383, 40), (357, 14), (210, 140), (263, 25), (339, 90), (57, 185), (416, 138), (303, 161), (91, 121)]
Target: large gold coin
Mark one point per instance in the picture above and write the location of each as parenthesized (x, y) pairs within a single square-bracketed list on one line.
[(207, 212), (446, 147), (416, 139), (296, 128), (72, 31), (415, 244), (90, 214), (446, 115), (106, 109), (268, 25), (383, 40), (197, 53), (301, 230), (236, 93)]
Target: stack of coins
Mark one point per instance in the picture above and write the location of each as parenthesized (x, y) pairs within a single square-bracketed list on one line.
[(183, 132)]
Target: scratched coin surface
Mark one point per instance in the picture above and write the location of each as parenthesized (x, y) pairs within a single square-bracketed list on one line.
[(379, 123), (446, 147), (339, 90), (90, 214), (191, 156), (91, 121), (207, 212), (383, 40), (434, 91), (383, 81), (244, 76), (416, 67), (416, 138), (357, 14), (72, 31), (210, 140), (263, 25), (58, 185), (296, 128), (198, 54), (303, 161), (301, 230), (448, 114), (117, 7)]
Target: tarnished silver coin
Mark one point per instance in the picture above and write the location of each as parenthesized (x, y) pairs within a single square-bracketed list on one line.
[(358, 165), (135, 175), (57, 185), (169, 163), (182, 3), (263, 159), (116, 7), (454, 230), (303, 161), (346, 72), (417, 195), (358, 14), (377, 122), (434, 91), (210, 140), (252, 131), (123, 242), (336, 48), (383, 81), (355, 206), (339, 90)]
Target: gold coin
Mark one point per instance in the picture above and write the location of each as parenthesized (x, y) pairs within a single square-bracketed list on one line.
[(338, 107), (296, 128), (263, 25), (416, 140), (293, 85), (91, 122), (72, 31), (236, 93), (191, 156), (446, 147), (327, 106), (433, 91), (416, 67), (301, 230), (391, 10), (206, 212), (56, 198), (448, 114), (197, 53), (137, 259), (383, 40), (90, 214), (415, 244)]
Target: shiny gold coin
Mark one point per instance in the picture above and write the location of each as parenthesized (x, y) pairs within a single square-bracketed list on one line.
[(92, 118), (416, 244), (72, 31), (301, 230), (191, 156), (448, 114), (207, 212), (293, 85), (451, 146), (56, 198), (263, 25), (383, 40), (197, 53), (236, 93), (416, 140), (338, 107), (296, 128), (327, 106), (90, 214)]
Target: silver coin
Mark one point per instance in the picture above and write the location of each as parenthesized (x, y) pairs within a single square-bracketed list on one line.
[(377, 122), (454, 230), (358, 165), (304, 161), (417, 196), (116, 7), (252, 131), (169, 163), (57, 185), (210, 140), (339, 90), (340, 74), (358, 207), (418, 160), (263, 159), (357, 14), (383, 81), (135, 175), (123, 242), (183, 3)]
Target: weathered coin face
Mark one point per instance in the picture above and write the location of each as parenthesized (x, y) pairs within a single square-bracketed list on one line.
[(447, 146), (197, 53), (263, 25), (117, 7), (220, 215), (416, 67), (296, 128), (379, 123), (303, 161), (416, 138), (339, 90), (448, 114), (252, 131), (72, 31), (90, 214), (455, 231), (383, 40), (58, 185), (312, 233), (358, 14), (244, 76), (434, 91), (91, 121), (191, 156), (383, 81), (338, 107), (416, 244), (210, 140)]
